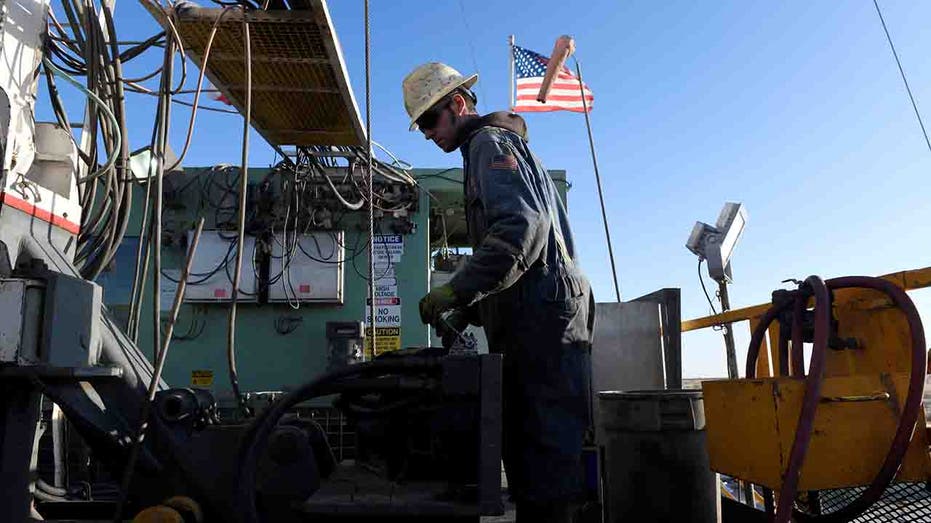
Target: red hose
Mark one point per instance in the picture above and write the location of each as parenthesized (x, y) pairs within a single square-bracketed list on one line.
[(910, 411), (806, 418), (798, 347), (756, 339)]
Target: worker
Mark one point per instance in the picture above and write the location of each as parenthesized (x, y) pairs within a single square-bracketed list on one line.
[(522, 284)]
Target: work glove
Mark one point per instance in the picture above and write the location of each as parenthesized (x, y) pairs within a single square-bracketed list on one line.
[(436, 302), (450, 326)]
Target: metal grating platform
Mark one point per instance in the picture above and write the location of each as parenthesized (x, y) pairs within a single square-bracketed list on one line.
[(900, 503), (300, 89)]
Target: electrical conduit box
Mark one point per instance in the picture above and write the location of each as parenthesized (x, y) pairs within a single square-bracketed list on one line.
[(307, 268), (20, 320)]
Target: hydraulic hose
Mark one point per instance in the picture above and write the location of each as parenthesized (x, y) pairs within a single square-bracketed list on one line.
[(806, 418), (256, 437), (910, 410), (50, 489)]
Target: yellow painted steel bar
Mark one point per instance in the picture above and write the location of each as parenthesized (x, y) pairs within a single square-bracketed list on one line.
[(908, 280)]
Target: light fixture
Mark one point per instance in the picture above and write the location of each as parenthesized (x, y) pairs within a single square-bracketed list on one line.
[(143, 164), (716, 243)]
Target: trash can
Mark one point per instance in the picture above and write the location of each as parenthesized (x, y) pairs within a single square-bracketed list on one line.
[(656, 462)]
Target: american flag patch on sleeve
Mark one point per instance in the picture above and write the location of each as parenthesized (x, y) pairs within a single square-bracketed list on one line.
[(503, 161)]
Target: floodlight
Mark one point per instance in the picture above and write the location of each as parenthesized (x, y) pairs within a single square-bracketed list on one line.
[(716, 243), (143, 164)]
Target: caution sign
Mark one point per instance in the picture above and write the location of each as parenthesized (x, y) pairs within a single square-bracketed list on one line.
[(201, 378), (387, 339)]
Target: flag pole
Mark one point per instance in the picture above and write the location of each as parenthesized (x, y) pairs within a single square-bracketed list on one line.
[(591, 143), (511, 69)]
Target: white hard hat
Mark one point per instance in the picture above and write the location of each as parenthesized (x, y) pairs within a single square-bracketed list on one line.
[(428, 84)]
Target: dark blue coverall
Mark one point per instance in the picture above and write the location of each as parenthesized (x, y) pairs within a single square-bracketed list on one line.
[(535, 305)]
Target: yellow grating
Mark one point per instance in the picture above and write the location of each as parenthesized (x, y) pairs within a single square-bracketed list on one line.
[(300, 88)]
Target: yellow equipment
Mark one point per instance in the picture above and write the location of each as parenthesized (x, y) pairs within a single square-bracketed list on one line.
[(854, 419)]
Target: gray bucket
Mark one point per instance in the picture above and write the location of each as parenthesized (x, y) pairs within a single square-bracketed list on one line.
[(656, 460)]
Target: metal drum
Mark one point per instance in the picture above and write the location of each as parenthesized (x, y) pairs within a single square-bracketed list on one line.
[(656, 461)]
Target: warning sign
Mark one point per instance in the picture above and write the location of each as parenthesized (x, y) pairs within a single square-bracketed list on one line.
[(384, 331), (387, 312), (388, 249), (388, 339), (384, 300), (201, 378)]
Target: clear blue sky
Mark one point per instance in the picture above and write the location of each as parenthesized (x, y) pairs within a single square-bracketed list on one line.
[(794, 108)]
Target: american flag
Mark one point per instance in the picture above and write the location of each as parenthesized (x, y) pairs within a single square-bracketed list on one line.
[(530, 68)]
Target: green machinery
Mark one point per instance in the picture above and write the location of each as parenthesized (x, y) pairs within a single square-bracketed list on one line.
[(282, 340)]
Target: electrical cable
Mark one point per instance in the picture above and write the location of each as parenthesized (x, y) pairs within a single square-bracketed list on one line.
[(103, 106), (103, 223), (141, 267), (139, 90), (396, 162), (176, 37), (42, 485), (195, 327), (465, 23), (448, 179), (704, 289), (200, 83), (156, 238), (902, 72), (122, 194), (351, 206), (157, 40), (243, 185)]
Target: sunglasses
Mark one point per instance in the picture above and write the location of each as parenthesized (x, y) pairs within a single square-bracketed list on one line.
[(429, 119)]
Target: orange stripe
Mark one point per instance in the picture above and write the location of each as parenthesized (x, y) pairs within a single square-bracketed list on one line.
[(32, 210)]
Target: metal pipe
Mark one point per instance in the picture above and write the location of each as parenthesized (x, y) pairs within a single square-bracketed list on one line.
[(744, 488), (604, 215), (179, 293), (511, 71), (162, 355), (728, 333), (58, 445)]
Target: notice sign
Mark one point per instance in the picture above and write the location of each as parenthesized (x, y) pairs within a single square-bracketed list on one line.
[(201, 378), (388, 247)]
